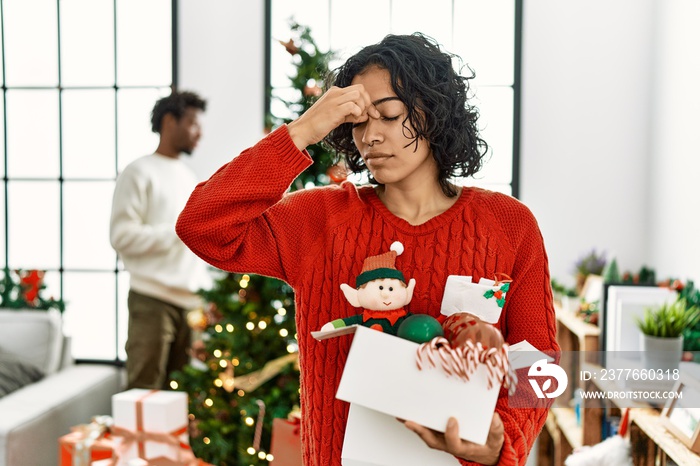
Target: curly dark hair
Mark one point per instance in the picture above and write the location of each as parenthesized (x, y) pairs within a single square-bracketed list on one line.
[(436, 98), (175, 104)]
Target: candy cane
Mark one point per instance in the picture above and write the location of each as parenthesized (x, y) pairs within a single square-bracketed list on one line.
[(447, 360), (428, 351), (259, 425), (458, 362), (462, 362)]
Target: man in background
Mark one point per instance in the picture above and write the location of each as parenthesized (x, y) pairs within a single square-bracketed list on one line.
[(148, 197)]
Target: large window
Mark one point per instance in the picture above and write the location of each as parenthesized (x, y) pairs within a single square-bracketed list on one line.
[(79, 78), (484, 33)]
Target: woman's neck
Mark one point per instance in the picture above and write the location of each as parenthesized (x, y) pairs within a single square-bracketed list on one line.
[(416, 204)]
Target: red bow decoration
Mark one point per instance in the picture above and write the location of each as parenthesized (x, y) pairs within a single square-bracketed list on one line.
[(296, 422), (501, 278), (31, 283)]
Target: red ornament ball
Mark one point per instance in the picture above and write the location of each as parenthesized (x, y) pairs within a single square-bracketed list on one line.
[(463, 326), (337, 173), (312, 91)]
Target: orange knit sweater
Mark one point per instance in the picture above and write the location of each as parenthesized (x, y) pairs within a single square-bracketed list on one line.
[(241, 220)]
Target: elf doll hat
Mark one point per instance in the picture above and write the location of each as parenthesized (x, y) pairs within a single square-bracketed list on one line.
[(381, 266)]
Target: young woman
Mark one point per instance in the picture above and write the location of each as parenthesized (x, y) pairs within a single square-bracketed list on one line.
[(398, 110)]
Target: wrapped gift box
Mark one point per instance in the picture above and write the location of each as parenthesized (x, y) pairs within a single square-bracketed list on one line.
[(155, 462), (150, 424), (97, 450), (286, 443)]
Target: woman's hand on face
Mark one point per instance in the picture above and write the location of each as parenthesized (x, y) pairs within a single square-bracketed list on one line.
[(337, 106), (452, 444)]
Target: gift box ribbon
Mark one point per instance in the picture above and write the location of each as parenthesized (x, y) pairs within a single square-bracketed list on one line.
[(501, 278), (88, 435), (141, 436), (294, 421)]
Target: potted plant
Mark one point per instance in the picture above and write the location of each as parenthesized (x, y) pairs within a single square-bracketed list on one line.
[(592, 263), (662, 333)]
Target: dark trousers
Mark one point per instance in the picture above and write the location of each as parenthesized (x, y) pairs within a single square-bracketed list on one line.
[(157, 342)]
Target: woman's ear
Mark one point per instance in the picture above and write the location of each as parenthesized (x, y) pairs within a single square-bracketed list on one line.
[(350, 294)]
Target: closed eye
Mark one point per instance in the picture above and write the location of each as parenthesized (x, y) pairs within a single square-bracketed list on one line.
[(383, 118)]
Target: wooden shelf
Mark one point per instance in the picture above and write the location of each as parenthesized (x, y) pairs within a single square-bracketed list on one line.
[(562, 433), (558, 438), (566, 421), (652, 443), (577, 326)]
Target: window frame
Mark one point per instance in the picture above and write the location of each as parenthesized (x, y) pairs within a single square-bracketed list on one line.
[(516, 86), (117, 270)]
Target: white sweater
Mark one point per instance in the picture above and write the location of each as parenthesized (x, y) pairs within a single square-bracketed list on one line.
[(148, 197)]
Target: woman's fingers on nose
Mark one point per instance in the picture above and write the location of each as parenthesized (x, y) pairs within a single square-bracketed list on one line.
[(372, 111)]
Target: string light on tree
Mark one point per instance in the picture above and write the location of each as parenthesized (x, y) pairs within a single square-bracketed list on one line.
[(223, 400)]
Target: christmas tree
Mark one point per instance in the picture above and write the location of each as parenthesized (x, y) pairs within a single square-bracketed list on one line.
[(245, 371), (311, 66)]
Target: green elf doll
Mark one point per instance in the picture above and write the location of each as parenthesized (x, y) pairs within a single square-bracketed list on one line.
[(381, 291)]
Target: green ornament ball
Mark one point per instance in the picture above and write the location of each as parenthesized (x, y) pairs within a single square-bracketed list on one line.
[(419, 328)]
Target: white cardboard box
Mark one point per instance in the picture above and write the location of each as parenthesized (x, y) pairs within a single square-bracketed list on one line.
[(162, 412), (382, 382), (381, 374), (396, 444)]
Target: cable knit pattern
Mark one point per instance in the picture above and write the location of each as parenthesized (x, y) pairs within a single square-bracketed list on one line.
[(241, 220)]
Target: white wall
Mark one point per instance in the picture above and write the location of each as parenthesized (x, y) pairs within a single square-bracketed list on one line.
[(221, 56), (675, 205), (610, 119), (586, 127)]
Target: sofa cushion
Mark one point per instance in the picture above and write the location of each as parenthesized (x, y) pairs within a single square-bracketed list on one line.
[(15, 374), (33, 418), (34, 336)]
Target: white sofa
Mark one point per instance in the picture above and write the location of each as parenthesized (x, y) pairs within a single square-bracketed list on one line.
[(33, 417)]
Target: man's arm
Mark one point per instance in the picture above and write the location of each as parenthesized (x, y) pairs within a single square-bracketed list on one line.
[(129, 233)]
